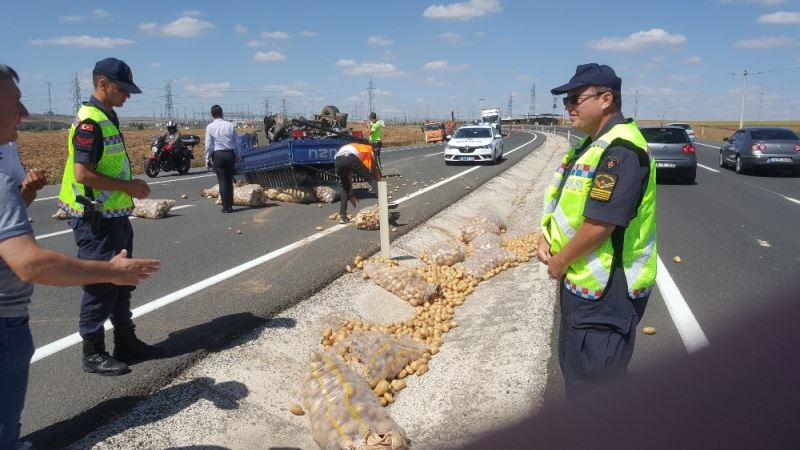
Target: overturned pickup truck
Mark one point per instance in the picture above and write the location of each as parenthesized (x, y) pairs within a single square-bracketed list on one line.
[(296, 151)]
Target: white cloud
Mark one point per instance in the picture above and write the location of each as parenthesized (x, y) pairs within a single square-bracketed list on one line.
[(692, 60), (100, 13), (420, 100), (352, 99), (369, 68), (275, 35), (684, 78), (208, 89), (274, 87), (636, 41), (306, 33), (781, 17), (480, 34), (431, 81), (452, 38), (381, 92), (268, 57), (192, 13), (379, 40), (96, 14), (292, 93), (255, 43), (84, 41), (301, 84), (73, 18), (462, 11), (444, 66), (186, 27), (241, 29), (766, 42), (156, 65)]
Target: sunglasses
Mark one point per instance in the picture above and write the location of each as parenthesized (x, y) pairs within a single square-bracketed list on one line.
[(575, 100)]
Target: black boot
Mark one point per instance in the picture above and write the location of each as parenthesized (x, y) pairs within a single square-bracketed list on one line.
[(128, 347), (96, 360)]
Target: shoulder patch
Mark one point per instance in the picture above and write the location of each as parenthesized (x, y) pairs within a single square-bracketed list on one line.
[(611, 163), (603, 186), (87, 126)]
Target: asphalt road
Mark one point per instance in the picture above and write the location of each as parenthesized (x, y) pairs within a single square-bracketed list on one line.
[(738, 242), (215, 284)]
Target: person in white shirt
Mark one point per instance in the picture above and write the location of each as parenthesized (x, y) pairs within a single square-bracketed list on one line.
[(222, 151)]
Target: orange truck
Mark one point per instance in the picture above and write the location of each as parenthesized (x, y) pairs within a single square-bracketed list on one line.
[(434, 132)]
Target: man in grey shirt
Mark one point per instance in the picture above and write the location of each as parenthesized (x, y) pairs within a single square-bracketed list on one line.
[(23, 262)]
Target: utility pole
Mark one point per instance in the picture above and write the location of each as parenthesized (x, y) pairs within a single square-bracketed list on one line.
[(760, 102), (481, 100), (76, 94), (744, 75), (532, 106), (371, 94), (168, 110), (636, 107), (49, 108), (510, 105)]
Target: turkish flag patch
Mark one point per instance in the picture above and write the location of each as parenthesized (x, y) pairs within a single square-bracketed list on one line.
[(87, 127)]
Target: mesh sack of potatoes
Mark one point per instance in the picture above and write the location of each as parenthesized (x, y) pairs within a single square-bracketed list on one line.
[(491, 217), (487, 263), (444, 254), (367, 218), (327, 194), (152, 208), (472, 230), (486, 241), (302, 194), (378, 357), (271, 194), (248, 195), (212, 192), (60, 214), (343, 410), (404, 282)]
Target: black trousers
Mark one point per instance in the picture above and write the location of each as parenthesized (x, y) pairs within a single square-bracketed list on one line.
[(596, 337), (103, 300), (224, 162), (346, 166)]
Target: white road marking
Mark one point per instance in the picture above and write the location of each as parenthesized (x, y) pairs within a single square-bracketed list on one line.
[(707, 168), (75, 338), (689, 329), (58, 233), (433, 154), (793, 200), (706, 145)]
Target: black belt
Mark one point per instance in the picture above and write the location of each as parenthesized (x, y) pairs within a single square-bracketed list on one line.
[(226, 150)]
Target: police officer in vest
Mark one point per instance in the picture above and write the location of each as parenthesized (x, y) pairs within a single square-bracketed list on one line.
[(98, 169), (599, 231)]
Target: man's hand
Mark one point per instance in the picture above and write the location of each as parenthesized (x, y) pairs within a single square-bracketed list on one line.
[(131, 271), (543, 251), (34, 180), (209, 164), (137, 188), (556, 268)]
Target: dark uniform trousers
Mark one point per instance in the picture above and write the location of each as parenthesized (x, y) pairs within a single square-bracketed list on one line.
[(345, 166), (104, 300), (596, 337), (225, 166)]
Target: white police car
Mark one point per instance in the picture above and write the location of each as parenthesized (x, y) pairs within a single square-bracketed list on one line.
[(475, 143)]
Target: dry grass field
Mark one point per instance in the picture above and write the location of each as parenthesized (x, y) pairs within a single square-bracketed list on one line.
[(48, 149), (716, 130)]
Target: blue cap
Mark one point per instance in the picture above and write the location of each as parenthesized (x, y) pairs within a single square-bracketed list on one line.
[(591, 74), (117, 71)]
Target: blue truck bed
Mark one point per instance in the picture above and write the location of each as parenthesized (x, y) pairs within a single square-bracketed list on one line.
[(273, 165)]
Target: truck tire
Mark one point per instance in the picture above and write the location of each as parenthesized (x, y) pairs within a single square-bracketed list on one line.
[(330, 110)]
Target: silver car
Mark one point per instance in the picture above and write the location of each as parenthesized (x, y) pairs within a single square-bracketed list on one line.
[(673, 152), (761, 147)]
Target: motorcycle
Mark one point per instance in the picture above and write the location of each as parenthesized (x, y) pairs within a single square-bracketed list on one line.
[(169, 156)]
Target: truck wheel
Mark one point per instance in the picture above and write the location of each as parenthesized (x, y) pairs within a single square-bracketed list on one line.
[(152, 168), (330, 110)]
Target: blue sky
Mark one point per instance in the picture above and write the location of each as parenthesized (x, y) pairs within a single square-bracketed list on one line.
[(424, 57)]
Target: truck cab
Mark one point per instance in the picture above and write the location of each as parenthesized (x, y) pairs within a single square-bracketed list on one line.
[(434, 132)]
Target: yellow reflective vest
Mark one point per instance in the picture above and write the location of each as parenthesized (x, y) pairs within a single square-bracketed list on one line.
[(565, 200), (113, 163)]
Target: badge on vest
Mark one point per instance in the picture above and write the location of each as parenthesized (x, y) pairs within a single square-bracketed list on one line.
[(603, 186)]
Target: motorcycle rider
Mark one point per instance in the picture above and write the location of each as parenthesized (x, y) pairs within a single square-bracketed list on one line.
[(172, 135)]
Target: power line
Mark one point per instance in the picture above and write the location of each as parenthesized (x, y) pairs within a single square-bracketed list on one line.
[(168, 109), (76, 94)]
